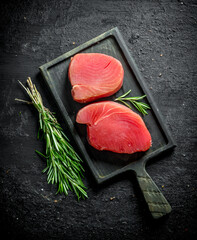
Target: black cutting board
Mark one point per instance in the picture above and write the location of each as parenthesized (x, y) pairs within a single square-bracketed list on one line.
[(104, 164)]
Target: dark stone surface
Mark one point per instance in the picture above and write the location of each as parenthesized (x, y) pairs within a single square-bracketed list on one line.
[(161, 36)]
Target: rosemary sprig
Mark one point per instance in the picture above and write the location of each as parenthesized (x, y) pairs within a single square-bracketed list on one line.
[(63, 164), (140, 106)]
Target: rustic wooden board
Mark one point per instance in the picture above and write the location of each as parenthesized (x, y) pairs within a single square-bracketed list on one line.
[(105, 165)]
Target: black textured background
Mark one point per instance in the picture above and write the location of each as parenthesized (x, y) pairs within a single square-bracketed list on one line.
[(161, 36)]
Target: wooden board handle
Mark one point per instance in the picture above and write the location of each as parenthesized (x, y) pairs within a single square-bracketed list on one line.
[(157, 203)]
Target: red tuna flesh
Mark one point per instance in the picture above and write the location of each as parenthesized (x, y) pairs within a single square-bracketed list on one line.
[(94, 75), (114, 127)]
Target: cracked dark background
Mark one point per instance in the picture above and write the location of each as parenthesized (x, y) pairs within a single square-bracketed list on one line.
[(161, 37)]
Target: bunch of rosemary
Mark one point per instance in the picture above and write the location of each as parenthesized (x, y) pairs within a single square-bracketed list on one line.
[(63, 164), (140, 106)]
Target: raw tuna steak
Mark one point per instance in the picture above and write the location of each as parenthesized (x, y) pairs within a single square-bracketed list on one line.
[(114, 127), (94, 75)]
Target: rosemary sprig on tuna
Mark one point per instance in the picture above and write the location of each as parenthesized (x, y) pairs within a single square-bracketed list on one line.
[(140, 106), (63, 164)]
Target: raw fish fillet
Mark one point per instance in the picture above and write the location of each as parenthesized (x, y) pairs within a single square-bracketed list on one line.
[(94, 75), (114, 127)]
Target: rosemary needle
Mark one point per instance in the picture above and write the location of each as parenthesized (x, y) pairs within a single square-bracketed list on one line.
[(140, 106), (63, 164)]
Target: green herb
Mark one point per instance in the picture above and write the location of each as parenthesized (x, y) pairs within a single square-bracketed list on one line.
[(63, 164), (141, 106)]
